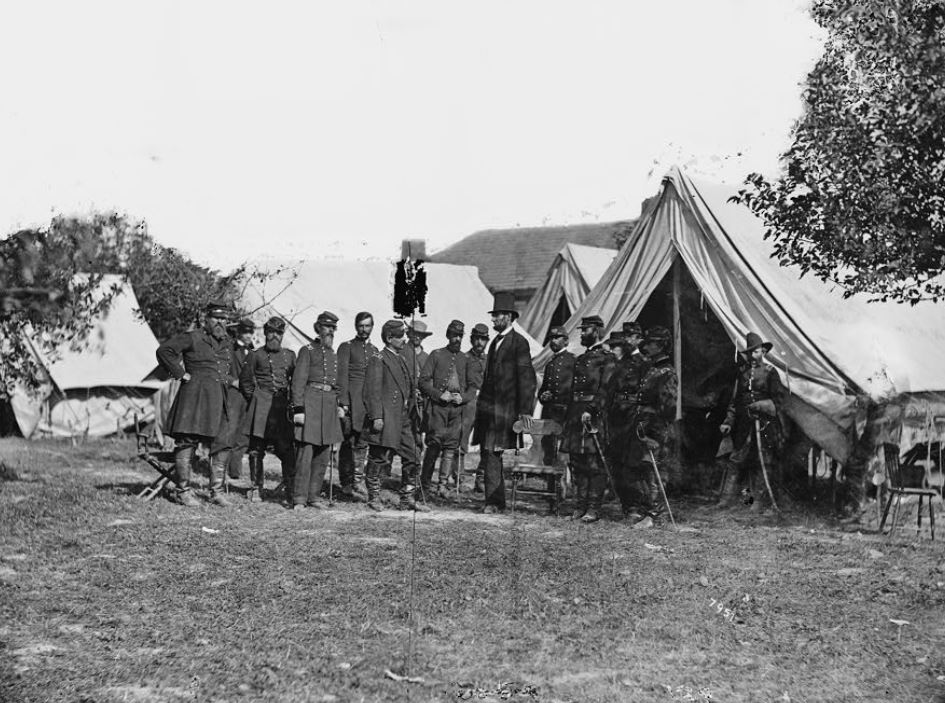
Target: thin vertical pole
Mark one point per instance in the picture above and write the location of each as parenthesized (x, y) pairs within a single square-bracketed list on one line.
[(677, 335)]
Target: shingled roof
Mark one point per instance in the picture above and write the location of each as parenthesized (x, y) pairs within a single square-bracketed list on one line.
[(518, 259)]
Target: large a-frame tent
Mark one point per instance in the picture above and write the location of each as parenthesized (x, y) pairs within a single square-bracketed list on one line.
[(99, 387), (699, 264), (299, 291), (575, 270)]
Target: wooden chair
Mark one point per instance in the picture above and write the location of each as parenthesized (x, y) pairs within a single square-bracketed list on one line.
[(897, 489), (161, 461), (529, 464)]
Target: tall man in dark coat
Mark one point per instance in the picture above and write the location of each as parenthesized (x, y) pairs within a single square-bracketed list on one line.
[(586, 419), (759, 395), (416, 357), (622, 389), (200, 360), (317, 412), (507, 394), (444, 383), (352, 363), (555, 390), (264, 382), (389, 401), (475, 369), (236, 439)]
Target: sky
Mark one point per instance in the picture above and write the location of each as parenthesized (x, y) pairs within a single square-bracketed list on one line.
[(312, 129)]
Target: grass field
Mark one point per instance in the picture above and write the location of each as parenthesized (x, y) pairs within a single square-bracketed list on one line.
[(105, 598)]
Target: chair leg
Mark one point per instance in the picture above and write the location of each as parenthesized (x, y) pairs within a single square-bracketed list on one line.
[(932, 518), (882, 521), (895, 517), (514, 487), (918, 517)]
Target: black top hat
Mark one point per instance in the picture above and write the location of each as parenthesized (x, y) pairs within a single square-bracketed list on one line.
[(504, 302), (753, 341)]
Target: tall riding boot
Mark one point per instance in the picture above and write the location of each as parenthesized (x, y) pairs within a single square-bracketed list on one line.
[(596, 486), (255, 477), (581, 485), (408, 499), (447, 466), (729, 494), (372, 479), (360, 478), (218, 464), (183, 456), (479, 485), (346, 462), (429, 463)]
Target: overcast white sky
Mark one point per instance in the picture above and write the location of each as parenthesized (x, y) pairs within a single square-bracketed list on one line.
[(239, 130)]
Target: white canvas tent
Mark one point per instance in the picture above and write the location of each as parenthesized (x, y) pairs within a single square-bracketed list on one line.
[(345, 287), (834, 354), (97, 389), (575, 270)]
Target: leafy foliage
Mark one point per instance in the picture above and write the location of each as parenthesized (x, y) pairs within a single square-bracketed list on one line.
[(861, 200)]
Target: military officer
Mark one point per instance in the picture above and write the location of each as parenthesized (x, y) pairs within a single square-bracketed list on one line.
[(621, 408), (585, 420), (656, 411), (388, 404), (475, 369), (753, 414), (416, 357), (444, 383), (237, 440), (201, 361), (264, 382), (352, 363), (555, 391), (317, 412)]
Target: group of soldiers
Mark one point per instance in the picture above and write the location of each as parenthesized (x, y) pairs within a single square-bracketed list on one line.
[(615, 405)]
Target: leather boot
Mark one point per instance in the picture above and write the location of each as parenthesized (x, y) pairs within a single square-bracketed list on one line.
[(408, 500), (729, 493), (256, 477), (447, 466), (479, 485), (595, 489), (360, 477), (372, 479), (183, 456), (430, 456), (218, 464), (580, 496)]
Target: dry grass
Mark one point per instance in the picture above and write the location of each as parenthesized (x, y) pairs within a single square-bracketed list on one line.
[(104, 598)]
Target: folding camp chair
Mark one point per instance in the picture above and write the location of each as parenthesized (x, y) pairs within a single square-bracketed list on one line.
[(897, 489), (161, 461), (529, 464)]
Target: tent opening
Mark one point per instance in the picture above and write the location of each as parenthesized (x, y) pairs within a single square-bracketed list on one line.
[(560, 316)]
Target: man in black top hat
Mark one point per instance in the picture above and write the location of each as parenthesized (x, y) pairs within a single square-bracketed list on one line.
[(317, 412), (507, 395), (585, 420), (755, 408), (264, 382), (201, 361), (475, 370), (444, 383), (352, 364)]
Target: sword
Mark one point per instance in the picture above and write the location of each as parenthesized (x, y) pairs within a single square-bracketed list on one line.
[(593, 433), (761, 460), (659, 480)]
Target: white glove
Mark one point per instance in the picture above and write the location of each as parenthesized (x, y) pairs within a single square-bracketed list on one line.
[(298, 419)]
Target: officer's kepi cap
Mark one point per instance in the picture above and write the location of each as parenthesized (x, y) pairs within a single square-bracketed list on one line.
[(592, 321), (244, 325), (217, 308), (557, 331), (456, 327), (274, 324), (480, 330), (329, 319)]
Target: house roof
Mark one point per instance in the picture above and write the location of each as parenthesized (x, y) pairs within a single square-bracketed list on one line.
[(519, 258)]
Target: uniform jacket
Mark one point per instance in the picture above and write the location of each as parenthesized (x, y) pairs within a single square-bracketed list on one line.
[(559, 375), (588, 394), (508, 389), (415, 360), (315, 392), (656, 399), (622, 393), (352, 365), (755, 383), (388, 395), (235, 402), (200, 405), (264, 382), (475, 368), (445, 370)]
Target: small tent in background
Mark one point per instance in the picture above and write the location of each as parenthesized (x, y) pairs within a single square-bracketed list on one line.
[(699, 264), (299, 291), (573, 273), (96, 390)]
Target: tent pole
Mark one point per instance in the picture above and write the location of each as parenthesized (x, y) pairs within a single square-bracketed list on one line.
[(677, 337)]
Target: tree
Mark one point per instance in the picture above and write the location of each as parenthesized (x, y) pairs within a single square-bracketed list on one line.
[(861, 197)]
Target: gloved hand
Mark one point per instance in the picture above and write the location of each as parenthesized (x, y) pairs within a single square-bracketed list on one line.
[(457, 398), (446, 396), (185, 377), (651, 443), (545, 397), (378, 424), (725, 429), (585, 418), (762, 407), (298, 419), (341, 412)]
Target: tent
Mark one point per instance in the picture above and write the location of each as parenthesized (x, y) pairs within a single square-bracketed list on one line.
[(574, 271), (97, 388), (299, 291), (700, 265)]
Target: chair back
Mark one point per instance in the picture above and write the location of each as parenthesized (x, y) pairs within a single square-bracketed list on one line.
[(893, 467)]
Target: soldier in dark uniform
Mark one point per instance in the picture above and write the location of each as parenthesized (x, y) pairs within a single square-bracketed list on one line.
[(444, 383), (264, 382), (475, 369), (317, 412), (415, 355), (233, 435), (388, 404), (656, 412), (352, 363), (585, 418), (623, 387), (555, 391), (200, 360), (758, 396)]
